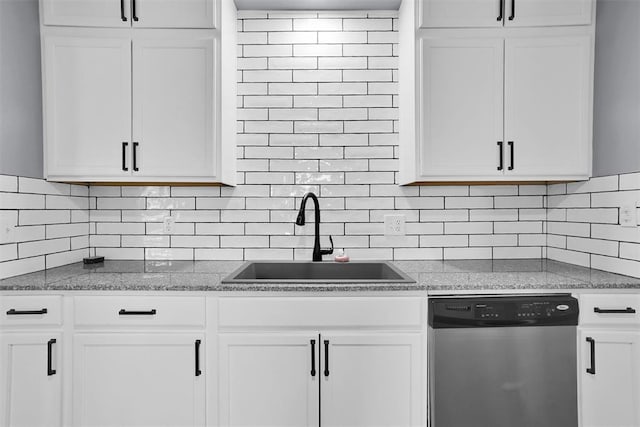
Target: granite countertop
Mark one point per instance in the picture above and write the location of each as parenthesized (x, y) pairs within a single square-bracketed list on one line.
[(435, 276)]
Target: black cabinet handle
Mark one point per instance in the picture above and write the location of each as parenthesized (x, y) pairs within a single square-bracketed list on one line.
[(133, 10), (124, 156), (628, 310), (124, 312), (14, 312), (510, 155), (592, 369), (124, 18), (135, 156), (501, 8), (511, 17), (501, 165), (198, 371), (50, 370), (326, 358), (313, 358)]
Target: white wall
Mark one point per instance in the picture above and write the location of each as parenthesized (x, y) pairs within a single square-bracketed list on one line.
[(20, 89)]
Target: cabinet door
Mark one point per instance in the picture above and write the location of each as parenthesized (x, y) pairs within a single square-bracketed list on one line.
[(610, 396), (547, 106), (267, 380), (87, 103), (30, 392), (461, 107), (372, 380), (529, 13), (138, 380), (459, 13), (175, 13), (174, 84), (93, 13)]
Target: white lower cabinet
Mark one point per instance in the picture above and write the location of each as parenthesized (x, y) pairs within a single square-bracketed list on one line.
[(311, 379), (30, 379), (142, 379), (610, 378)]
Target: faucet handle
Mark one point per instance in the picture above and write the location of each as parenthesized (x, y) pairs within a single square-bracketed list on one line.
[(327, 251)]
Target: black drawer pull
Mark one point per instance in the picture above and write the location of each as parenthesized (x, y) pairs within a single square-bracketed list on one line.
[(198, 371), (124, 18), (124, 156), (510, 155), (50, 370), (592, 369), (501, 7), (133, 10), (313, 358), (14, 312), (135, 156), (628, 310), (124, 312), (326, 358), (513, 10), (501, 165)]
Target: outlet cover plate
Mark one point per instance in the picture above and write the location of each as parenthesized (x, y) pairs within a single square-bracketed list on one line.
[(394, 225)]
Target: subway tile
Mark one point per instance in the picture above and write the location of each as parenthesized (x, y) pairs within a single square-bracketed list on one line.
[(54, 231), (630, 251), (468, 202), (171, 203), (120, 228), (321, 101), (604, 183), (195, 242), (267, 51), (343, 165), (66, 202), (382, 62), (195, 191), (394, 241), (615, 232), (342, 63), (260, 88), (105, 203), (270, 203), (219, 228), (419, 203), (318, 127), (252, 63), (121, 253), (268, 25), (21, 266), (105, 215), (294, 37), (318, 50), (518, 227), (317, 75), (108, 240), (568, 228), (245, 191), (468, 228), (134, 191), (292, 63), (368, 152), (291, 140), (369, 76), (571, 257), (145, 241), (80, 216), (493, 190), (417, 254), (615, 199), (266, 102), (381, 24), (467, 253), (168, 254), (569, 201), (224, 203), (320, 178), (291, 89), (157, 228), (368, 126), (518, 202), (532, 214), (63, 258), (616, 265), (342, 114), (244, 216), (367, 101), (293, 190), (43, 247), (28, 233), (492, 214), (40, 186), (556, 241), (517, 252), (444, 241), (345, 139), (8, 252), (369, 178), (269, 127), (225, 254), (244, 241), (251, 37), (493, 240), (255, 254), (36, 217), (630, 181), (267, 76), (444, 215), (367, 50), (80, 242), (342, 37), (293, 165), (324, 24), (595, 215), (532, 239), (593, 246), (22, 201), (9, 183)]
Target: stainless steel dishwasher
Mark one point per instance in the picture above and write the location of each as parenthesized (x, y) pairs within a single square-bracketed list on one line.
[(507, 361)]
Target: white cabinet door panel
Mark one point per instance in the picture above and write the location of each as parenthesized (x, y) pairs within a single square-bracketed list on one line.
[(86, 13), (175, 13), (265, 380), (610, 396), (461, 107), (174, 84), (547, 105), (529, 13), (29, 395), (459, 13), (373, 380), (87, 83), (138, 380)]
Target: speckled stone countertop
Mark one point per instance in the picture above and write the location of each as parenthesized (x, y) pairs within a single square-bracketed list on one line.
[(435, 276)]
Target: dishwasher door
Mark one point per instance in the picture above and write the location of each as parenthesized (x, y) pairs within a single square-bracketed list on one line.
[(503, 377)]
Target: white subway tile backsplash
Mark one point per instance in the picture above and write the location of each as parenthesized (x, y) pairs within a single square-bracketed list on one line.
[(9, 183)]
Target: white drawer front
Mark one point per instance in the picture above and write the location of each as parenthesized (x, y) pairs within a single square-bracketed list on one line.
[(31, 310), (610, 309), (140, 311), (321, 312)]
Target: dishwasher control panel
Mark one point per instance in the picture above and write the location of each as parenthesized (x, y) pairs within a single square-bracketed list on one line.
[(503, 311)]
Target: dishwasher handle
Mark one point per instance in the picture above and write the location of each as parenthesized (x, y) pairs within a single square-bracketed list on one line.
[(592, 353)]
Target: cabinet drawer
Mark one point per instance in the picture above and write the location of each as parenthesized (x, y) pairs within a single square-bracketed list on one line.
[(321, 312), (613, 310), (140, 311), (31, 310)]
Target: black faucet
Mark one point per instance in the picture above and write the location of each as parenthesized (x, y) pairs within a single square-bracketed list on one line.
[(317, 252)]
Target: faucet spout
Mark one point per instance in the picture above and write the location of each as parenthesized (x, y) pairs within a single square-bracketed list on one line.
[(300, 220)]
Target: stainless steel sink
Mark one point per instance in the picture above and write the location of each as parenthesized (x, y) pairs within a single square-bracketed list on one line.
[(317, 272)]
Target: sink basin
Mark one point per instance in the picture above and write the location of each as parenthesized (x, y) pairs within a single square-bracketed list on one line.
[(317, 272)]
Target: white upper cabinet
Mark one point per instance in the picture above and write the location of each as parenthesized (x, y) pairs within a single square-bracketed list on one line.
[(127, 13), (547, 104), (461, 106), (498, 13), (87, 104), (174, 124)]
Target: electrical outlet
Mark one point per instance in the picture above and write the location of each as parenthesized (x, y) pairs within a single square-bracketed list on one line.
[(628, 216), (169, 224), (394, 225)]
